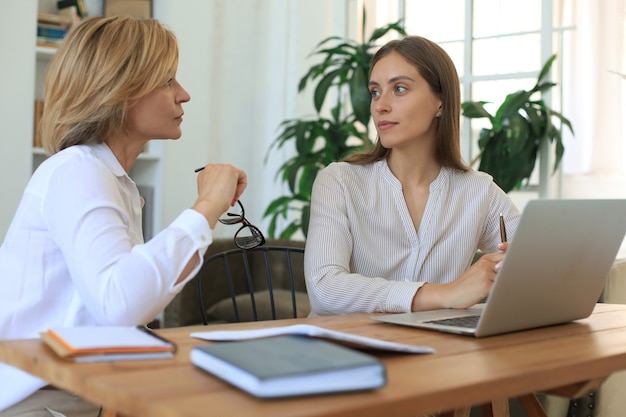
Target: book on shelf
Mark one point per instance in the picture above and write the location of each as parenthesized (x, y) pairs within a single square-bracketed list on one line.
[(36, 125), (52, 28), (57, 20), (107, 343), (53, 32), (48, 42), (290, 365)]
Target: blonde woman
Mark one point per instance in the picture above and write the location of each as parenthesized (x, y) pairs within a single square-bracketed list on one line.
[(74, 253), (395, 228)]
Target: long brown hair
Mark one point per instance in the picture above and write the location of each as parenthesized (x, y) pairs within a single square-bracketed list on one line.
[(104, 65), (436, 67)]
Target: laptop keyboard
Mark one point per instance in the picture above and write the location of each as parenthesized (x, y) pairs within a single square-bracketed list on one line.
[(467, 321)]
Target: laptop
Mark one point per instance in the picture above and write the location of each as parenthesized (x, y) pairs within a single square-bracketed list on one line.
[(553, 273)]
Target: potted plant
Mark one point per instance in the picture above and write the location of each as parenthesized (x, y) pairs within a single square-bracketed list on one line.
[(509, 149), (319, 140)]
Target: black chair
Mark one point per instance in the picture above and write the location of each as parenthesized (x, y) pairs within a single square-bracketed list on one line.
[(264, 283)]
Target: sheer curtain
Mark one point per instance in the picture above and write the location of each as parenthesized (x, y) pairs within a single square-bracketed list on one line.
[(593, 98)]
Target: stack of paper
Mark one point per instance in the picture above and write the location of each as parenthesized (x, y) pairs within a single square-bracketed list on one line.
[(96, 343)]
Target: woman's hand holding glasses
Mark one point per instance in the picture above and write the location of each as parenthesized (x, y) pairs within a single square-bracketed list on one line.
[(219, 187)]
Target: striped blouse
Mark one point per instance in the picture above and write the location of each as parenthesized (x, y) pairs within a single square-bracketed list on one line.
[(363, 253)]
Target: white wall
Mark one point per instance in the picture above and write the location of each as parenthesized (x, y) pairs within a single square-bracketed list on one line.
[(17, 72), (241, 61)]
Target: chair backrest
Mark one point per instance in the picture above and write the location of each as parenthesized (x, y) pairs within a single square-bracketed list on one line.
[(264, 283)]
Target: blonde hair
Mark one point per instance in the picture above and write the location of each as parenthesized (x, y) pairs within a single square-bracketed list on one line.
[(104, 65), (436, 67)]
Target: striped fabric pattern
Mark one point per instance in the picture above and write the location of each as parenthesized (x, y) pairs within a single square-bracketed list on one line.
[(363, 253)]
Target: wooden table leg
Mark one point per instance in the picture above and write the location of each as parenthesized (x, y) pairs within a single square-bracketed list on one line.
[(496, 408), (532, 406)]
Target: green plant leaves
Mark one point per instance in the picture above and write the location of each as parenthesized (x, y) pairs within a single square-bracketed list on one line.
[(360, 96), (476, 109), (510, 107), (546, 68), (323, 86), (509, 149), (516, 134)]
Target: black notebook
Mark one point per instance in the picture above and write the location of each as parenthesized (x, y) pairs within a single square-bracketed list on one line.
[(285, 366)]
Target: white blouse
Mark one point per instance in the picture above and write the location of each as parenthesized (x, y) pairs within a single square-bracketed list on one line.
[(74, 255), (363, 253)]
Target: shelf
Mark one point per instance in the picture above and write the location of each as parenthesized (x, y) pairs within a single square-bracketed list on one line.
[(45, 51)]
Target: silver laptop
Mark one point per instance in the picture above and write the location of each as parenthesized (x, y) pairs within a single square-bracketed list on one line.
[(554, 271)]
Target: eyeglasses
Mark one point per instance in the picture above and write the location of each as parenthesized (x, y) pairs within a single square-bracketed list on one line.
[(248, 236)]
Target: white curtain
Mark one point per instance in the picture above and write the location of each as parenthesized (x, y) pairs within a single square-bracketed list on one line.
[(593, 96)]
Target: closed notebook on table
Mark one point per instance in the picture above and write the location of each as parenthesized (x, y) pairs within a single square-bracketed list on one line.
[(285, 366), (107, 343)]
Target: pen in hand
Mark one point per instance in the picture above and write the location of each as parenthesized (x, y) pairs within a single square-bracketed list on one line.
[(502, 229), (198, 169), (502, 238)]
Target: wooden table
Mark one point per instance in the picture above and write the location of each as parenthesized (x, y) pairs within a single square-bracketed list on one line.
[(463, 371)]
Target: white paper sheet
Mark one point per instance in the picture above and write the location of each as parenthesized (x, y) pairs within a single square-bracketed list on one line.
[(312, 331)]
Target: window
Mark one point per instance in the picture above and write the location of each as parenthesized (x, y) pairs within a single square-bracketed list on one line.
[(499, 46)]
